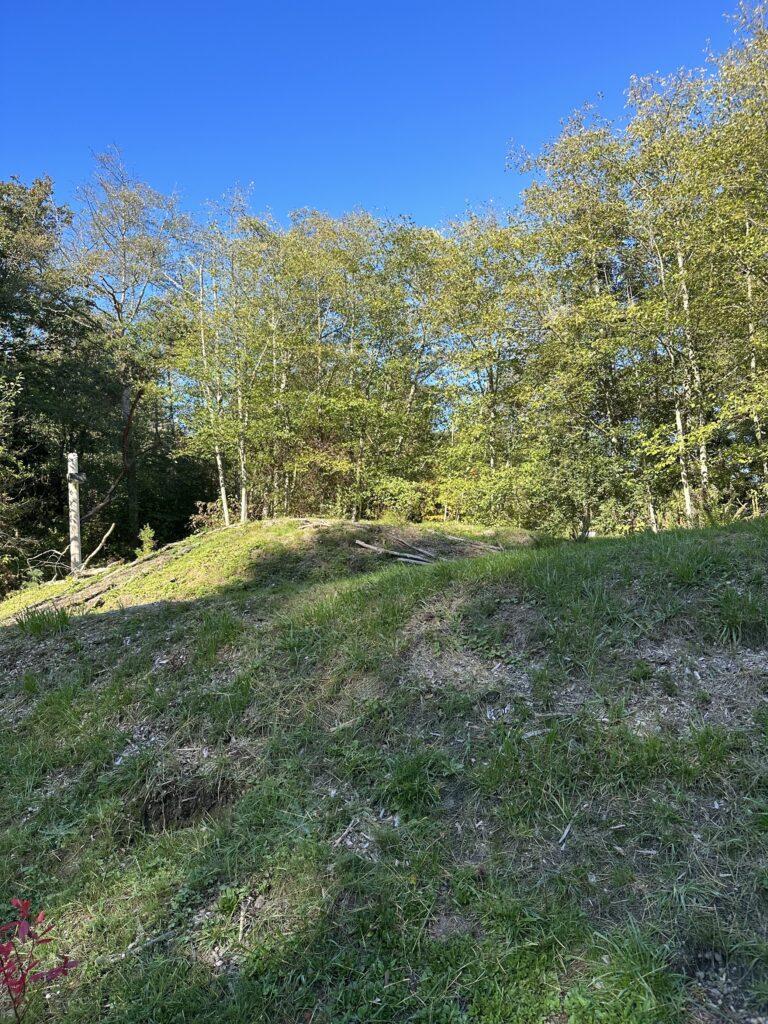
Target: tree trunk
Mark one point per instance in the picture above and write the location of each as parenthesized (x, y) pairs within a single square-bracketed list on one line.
[(222, 485), (758, 427), (696, 374), (652, 514), (213, 405), (243, 480), (130, 457), (73, 487), (683, 458)]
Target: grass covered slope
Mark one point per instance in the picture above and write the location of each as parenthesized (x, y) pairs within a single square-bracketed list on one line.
[(267, 775)]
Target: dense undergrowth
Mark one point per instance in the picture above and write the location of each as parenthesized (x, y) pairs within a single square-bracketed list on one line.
[(275, 778)]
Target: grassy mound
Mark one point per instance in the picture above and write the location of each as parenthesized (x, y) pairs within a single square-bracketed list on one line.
[(268, 775)]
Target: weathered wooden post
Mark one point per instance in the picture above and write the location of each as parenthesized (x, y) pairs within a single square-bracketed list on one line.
[(74, 478)]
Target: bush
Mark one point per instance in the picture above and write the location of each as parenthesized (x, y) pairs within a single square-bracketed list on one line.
[(20, 942), (398, 500), (148, 543), (209, 515)]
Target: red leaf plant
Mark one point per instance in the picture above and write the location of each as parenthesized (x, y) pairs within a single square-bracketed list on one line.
[(19, 965)]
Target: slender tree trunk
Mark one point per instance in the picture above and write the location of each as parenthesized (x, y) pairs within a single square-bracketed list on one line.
[(209, 401), (683, 459), (222, 484), (758, 427), (130, 456), (243, 469), (275, 496), (242, 423), (652, 514), (696, 374)]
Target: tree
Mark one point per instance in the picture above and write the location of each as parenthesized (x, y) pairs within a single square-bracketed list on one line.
[(119, 254)]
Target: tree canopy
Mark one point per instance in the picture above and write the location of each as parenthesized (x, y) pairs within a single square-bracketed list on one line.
[(594, 361)]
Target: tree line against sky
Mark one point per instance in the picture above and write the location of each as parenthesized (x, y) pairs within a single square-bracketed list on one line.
[(594, 361)]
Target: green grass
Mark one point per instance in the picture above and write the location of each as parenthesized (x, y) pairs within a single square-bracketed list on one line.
[(40, 622), (276, 778)]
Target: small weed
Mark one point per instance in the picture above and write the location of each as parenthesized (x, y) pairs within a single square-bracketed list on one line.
[(230, 899), (41, 622), (414, 778), (30, 683), (742, 615), (668, 685), (641, 671), (543, 686), (218, 628)]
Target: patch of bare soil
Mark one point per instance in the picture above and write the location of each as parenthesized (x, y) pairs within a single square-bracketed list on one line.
[(439, 656), (180, 800), (684, 688), (672, 685), (365, 823), (257, 914), (144, 735), (448, 924), (191, 782), (410, 541), (473, 833), (359, 836), (445, 666), (20, 653), (719, 992), (341, 706)]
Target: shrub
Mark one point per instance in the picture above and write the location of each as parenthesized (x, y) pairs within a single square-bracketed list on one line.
[(208, 515), (20, 941), (147, 539), (397, 500)]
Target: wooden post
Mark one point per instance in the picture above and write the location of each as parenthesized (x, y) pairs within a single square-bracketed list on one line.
[(73, 485)]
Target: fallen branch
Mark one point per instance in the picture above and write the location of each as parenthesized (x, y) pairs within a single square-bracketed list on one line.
[(138, 947), (403, 555), (470, 540), (346, 832), (97, 549), (48, 559), (422, 551)]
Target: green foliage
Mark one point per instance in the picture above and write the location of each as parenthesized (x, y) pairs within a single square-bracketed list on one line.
[(147, 542), (594, 364), (41, 622)]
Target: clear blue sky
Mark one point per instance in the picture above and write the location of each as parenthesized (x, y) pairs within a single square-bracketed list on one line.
[(396, 106)]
